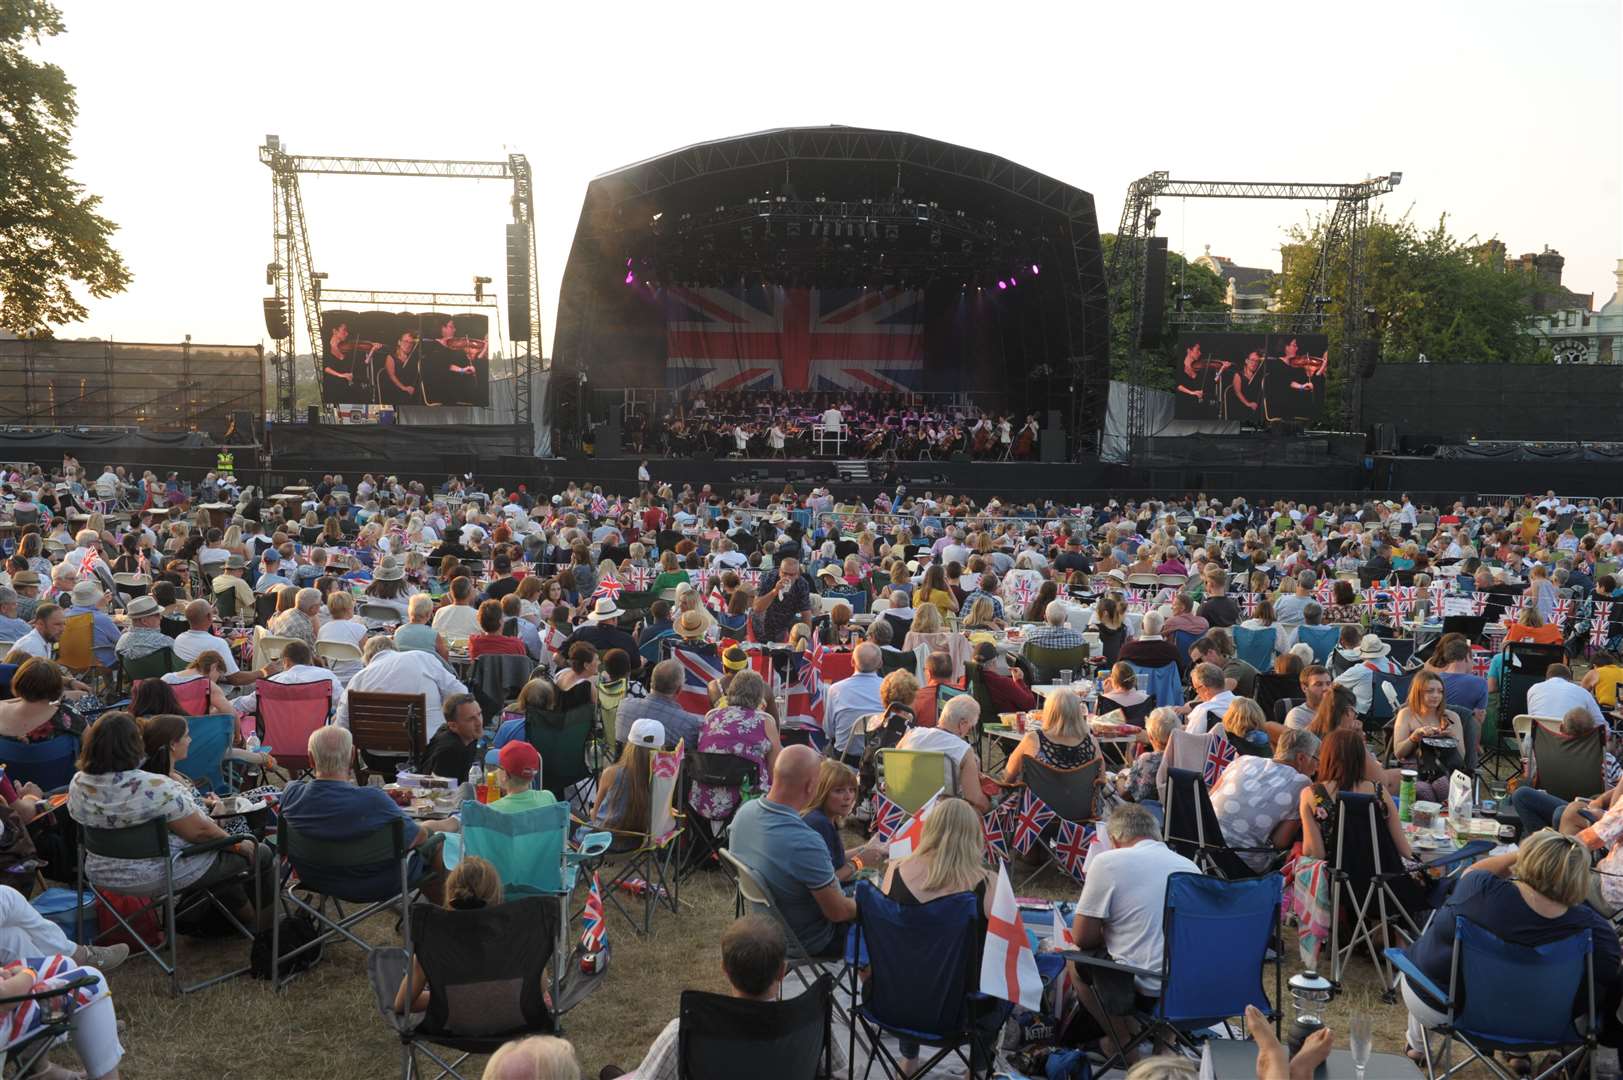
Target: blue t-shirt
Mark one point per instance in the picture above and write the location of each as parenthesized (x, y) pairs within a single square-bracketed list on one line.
[(831, 836), (1496, 905), (792, 859), (1463, 690), (339, 810)]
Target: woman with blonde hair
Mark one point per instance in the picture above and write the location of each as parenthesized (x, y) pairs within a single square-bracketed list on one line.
[(539, 1057), (1062, 741), (950, 859), (1530, 896), (982, 614), (928, 630), (1243, 724), (1532, 627)]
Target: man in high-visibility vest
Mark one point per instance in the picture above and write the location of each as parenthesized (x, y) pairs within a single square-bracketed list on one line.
[(225, 463)]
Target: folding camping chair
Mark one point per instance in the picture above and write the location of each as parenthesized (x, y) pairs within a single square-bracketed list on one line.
[(923, 981), (151, 666), (1515, 999), (27, 1054), (911, 778), (204, 763), (531, 853), (1050, 662), (1072, 795), (1368, 873), (652, 861), (1161, 682), (497, 679), (1256, 647), (387, 727), (325, 868), (1321, 639), (562, 739), (288, 714), (1217, 936), (1183, 641), (465, 957), (721, 1035), (49, 764), (1523, 668), (706, 837), (1568, 767), (1190, 827), (150, 841)]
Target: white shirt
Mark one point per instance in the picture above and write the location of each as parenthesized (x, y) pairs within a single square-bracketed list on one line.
[(643, 474), (405, 673), (1126, 890), (34, 645), (1554, 698), (1360, 679), (297, 675), (473, 535), (457, 620), (194, 643), (833, 420), (1202, 716)]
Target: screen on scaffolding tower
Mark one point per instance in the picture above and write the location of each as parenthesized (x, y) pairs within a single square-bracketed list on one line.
[(1253, 378), (392, 358)]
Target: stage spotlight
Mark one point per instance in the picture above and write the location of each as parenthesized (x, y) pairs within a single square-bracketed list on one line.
[(631, 277), (628, 262), (1013, 281), (1002, 284), (1035, 269)]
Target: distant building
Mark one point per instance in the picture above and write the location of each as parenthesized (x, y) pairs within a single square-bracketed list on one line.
[(1574, 333), (1250, 289)]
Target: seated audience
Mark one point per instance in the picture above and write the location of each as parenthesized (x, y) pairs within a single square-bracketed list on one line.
[(1257, 799), (951, 736)]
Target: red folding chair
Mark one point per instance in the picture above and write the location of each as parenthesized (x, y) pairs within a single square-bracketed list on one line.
[(192, 695), (289, 713)]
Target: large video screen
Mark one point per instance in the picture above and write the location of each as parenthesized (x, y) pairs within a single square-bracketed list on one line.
[(390, 358), (1255, 378)]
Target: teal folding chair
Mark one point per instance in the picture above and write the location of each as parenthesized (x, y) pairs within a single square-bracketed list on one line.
[(204, 763)]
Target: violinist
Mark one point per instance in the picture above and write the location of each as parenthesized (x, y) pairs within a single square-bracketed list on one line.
[(775, 438), (1199, 379), (450, 366), (1244, 398), (1005, 435), (397, 381), (339, 367)]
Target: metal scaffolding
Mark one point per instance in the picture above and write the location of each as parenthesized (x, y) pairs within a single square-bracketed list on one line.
[(1129, 264), (294, 280)]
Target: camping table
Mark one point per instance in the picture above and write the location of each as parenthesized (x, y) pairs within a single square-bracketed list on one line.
[(1232, 1059)]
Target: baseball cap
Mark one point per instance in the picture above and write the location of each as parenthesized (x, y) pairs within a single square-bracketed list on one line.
[(646, 732), (518, 758)]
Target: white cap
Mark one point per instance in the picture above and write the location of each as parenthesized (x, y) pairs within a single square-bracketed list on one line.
[(648, 732)]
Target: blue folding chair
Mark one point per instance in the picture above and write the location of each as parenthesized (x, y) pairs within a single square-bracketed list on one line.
[(1514, 999), (205, 760), (924, 971), (1217, 937), (1160, 682), (1183, 641), (1321, 639), (857, 599), (1256, 647), (49, 764)]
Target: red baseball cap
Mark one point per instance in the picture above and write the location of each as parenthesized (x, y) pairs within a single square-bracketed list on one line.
[(519, 758)]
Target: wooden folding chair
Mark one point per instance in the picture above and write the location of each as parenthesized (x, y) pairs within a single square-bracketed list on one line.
[(386, 725)]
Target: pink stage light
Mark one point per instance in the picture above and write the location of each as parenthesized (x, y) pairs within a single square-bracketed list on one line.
[(1013, 281), (1034, 269), (1003, 284), (631, 277)]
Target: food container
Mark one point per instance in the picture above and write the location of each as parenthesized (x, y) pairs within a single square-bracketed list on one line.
[(1425, 815)]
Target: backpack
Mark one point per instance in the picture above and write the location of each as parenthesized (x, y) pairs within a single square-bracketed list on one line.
[(297, 930)]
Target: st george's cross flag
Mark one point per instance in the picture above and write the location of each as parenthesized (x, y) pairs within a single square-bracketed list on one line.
[(1008, 966), (907, 838)]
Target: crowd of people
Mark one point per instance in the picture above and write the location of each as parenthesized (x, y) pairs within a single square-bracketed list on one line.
[(930, 596)]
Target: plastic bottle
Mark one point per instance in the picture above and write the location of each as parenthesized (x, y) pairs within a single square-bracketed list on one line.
[(745, 792), (476, 776)]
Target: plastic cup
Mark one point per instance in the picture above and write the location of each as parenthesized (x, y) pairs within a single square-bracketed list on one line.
[(481, 792), (1065, 676)]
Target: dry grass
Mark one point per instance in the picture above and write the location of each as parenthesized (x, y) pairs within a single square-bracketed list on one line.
[(325, 1024)]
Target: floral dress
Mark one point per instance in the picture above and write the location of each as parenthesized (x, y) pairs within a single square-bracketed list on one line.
[(739, 732)]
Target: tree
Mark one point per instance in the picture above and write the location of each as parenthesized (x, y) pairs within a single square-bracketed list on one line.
[(1430, 293), (50, 233), (1202, 289)]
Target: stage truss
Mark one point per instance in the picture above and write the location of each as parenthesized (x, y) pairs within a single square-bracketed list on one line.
[(296, 283), (1129, 264)]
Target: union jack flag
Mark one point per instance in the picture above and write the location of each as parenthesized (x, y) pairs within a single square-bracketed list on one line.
[(608, 587), (997, 842), (701, 666), (600, 505), (1071, 845), (1600, 628), (1029, 821), (1248, 602), (772, 338), (752, 578), (1481, 660), (1022, 590), (593, 933), (805, 692), (639, 577), (887, 817), (1219, 753)]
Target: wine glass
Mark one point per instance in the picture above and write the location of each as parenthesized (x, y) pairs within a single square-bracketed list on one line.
[(1361, 1039)]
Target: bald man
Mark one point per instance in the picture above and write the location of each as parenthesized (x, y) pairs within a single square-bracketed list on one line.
[(851, 699), (199, 639), (772, 839)]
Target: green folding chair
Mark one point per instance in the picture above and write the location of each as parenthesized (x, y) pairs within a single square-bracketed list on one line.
[(911, 777)]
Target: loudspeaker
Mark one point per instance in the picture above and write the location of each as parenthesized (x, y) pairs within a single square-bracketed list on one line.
[(276, 324), (242, 423), (1386, 439), (608, 440), (1053, 444), (1155, 291), (1369, 353), (1056, 420), (518, 283), (312, 414)]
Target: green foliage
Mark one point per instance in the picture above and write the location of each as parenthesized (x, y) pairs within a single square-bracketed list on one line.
[(1206, 291), (1430, 294), (50, 233)]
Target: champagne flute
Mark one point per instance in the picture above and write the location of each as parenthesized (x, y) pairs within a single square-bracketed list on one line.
[(1362, 1031)]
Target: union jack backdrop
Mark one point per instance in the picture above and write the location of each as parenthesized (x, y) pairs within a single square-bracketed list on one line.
[(773, 338)]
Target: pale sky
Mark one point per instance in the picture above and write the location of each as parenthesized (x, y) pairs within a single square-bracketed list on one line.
[(1507, 114)]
